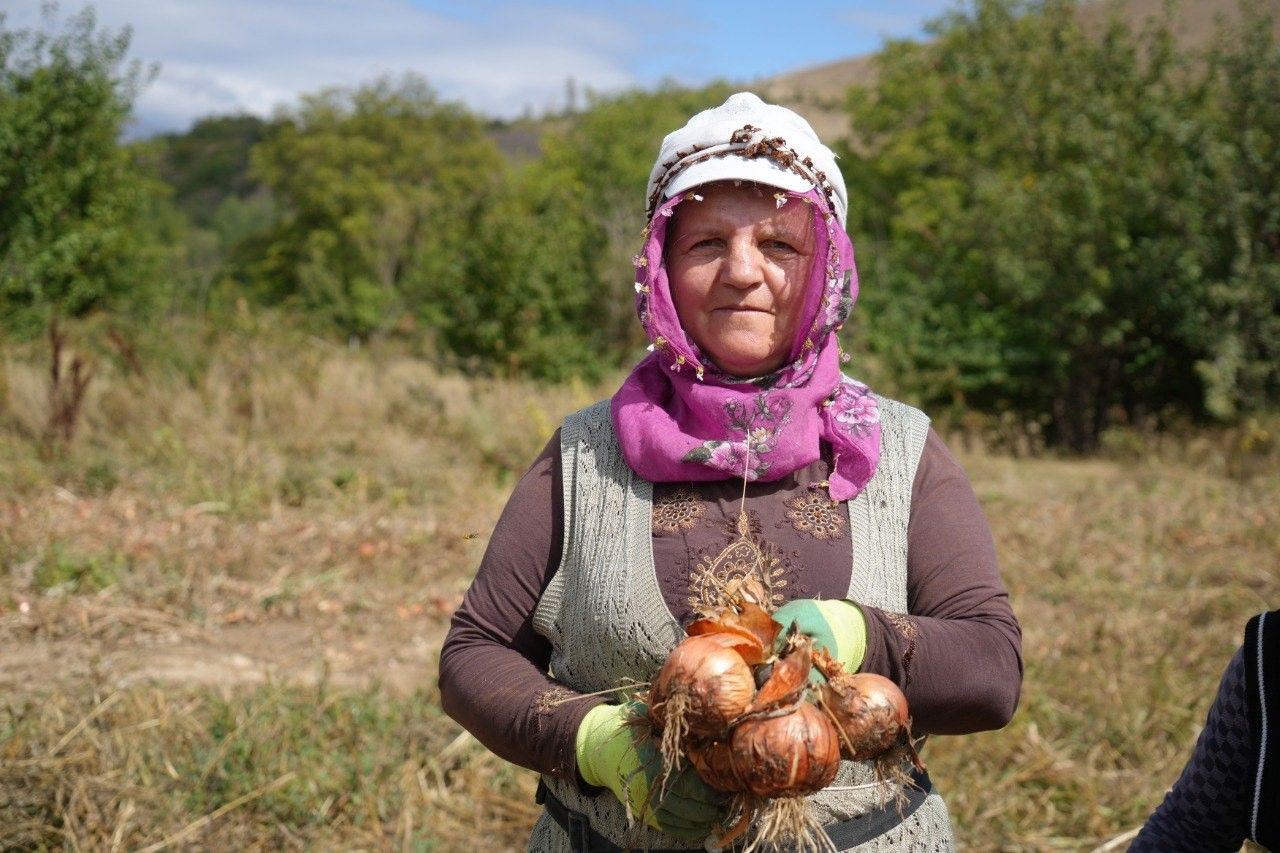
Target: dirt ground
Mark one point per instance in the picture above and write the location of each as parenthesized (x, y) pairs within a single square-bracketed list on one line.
[(398, 652)]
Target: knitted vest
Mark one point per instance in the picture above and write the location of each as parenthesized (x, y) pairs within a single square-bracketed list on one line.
[(608, 625)]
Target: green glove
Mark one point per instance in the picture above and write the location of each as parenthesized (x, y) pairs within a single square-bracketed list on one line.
[(837, 626), (611, 756)]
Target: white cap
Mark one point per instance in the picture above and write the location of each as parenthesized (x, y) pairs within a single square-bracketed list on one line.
[(745, 139)]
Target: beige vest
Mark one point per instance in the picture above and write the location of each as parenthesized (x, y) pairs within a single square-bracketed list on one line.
[(608, 624)]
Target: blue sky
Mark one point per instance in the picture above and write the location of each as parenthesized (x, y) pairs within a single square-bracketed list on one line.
[(500, 58)]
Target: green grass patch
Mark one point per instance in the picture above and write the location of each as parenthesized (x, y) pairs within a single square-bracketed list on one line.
[(63, 570)]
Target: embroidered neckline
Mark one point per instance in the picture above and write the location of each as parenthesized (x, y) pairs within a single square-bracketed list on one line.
[(748, 564)]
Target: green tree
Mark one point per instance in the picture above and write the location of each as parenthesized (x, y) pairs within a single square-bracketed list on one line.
[(208, 164), (1240, 188), (378, 189), (395, 203), (531, 303), (549, 256), (219, 212), (1033, 208), (72, 199)]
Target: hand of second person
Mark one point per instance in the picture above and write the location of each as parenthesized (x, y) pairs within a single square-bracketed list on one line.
[(612, 754)]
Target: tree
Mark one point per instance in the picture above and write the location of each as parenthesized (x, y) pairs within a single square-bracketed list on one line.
[(1240, 367), (394, 203), (72, 200), (1037, 228), (550, 289), (378, 189), (208, 164)]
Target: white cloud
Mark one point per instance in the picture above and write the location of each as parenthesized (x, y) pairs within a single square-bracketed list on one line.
[(219, 56)]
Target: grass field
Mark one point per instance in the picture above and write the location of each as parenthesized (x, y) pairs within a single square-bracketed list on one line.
[(221, 606)]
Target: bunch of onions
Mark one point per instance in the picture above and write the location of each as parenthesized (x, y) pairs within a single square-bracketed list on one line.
[(774, 745), (781, 745)]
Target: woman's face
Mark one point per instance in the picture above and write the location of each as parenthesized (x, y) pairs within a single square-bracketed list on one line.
[(738, 266)]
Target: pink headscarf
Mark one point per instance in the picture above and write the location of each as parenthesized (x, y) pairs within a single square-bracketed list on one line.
[(679, 418)]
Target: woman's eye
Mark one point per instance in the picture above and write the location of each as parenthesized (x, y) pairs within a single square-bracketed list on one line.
[(779, 246), (706, 243)]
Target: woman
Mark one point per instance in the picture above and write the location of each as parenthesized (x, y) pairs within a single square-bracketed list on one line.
[(1230, 788), (859, 523)]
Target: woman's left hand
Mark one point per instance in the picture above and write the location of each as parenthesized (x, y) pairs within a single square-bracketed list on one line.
[(836, 625)]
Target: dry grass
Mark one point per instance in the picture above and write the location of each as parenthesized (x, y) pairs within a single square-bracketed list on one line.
[(1133, 582), (156, 767), (221, 607)]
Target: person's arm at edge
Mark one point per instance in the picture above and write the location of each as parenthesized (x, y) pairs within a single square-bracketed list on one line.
[(1207, 809)]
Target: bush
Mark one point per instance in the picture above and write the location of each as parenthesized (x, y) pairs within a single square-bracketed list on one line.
[(378, 187)]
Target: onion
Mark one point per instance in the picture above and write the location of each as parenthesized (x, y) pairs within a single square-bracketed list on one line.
[(747, 620), (704, 685), (788, 679), (790, 755), (870, 710), (747, 644), (714, 762)]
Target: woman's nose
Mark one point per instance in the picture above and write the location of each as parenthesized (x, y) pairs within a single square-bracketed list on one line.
[(743, 266)]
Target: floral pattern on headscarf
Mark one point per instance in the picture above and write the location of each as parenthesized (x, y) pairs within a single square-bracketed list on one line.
[(759, 422), (854, 409)]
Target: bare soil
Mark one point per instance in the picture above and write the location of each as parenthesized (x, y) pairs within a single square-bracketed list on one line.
[(395, 651)]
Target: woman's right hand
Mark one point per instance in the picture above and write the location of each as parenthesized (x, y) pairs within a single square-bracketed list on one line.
[(613, 754)]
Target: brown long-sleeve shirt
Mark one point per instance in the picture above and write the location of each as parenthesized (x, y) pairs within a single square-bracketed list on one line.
[(957, 655)]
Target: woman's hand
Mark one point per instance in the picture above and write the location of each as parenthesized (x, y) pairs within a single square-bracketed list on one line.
[(613, 755), (837, 626)]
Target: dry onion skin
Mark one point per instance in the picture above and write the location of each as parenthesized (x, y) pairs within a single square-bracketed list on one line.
[(709, 679), (768, 726), (788, 679), (713, 760), (788, 755), (870, 710), (747, 619), (778, 757)]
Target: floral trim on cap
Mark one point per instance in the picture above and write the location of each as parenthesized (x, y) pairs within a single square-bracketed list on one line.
[(747, 142)]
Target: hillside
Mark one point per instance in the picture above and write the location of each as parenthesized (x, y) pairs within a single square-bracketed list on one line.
[(818, 92)]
